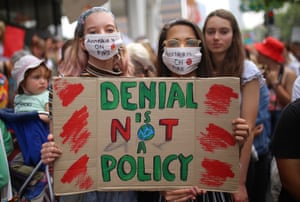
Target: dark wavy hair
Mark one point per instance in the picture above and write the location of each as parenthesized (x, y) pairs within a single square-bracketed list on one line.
[(204, 68)]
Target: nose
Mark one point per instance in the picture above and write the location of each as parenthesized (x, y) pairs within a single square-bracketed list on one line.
[(43, 80), (216, 35), (182, 44)]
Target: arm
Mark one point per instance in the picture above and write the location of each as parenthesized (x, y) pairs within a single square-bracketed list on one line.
[(284, 90), (289, 171), (249, 109)]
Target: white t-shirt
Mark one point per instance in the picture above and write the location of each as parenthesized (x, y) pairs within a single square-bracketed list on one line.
[(296, 89)]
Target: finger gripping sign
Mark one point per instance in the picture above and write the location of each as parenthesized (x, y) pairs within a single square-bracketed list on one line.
[(145, 134)]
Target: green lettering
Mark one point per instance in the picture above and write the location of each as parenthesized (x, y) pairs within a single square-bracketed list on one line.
[(156, 168), (190, 97), (147, 117), (166, 172), (125, 95), (121, 167), (162, 94), (141, 147), (107, 104), (108, 163), (142, 176), (176, 94), (184, 168), (147, 93)]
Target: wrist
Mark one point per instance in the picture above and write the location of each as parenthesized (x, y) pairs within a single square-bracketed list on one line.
[(276, 84)]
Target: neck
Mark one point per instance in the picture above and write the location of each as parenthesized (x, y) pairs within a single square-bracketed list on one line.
[(101, 64), (218, 60), (97, 71)]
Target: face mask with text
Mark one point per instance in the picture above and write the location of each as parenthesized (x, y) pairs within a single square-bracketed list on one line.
[(103, 46), (182, 60)]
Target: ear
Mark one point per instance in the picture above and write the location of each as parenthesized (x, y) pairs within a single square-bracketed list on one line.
[(81, 42)]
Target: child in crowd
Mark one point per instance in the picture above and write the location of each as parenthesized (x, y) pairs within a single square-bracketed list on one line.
[(32, 77)]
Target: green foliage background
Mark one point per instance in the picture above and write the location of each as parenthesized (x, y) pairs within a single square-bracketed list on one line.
[(286, 13)]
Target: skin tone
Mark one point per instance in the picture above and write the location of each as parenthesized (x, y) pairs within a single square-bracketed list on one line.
[(240, 126), (36, 83), (95, 26), (290, 175), (283, 90), (95, 23), (50, 151), (175, 32), (218, 37)]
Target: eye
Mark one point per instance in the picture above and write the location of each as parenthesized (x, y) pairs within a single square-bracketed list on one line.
[(110, 30), (172, 43), (36, 77), (92, 32), (192, 42), (224, 32), (210, 32)]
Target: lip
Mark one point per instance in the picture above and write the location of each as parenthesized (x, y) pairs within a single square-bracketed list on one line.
[(42, 87), (216, 45)]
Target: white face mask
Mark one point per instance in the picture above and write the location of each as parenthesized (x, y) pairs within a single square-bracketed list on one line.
[(183, 60), (103, 46)]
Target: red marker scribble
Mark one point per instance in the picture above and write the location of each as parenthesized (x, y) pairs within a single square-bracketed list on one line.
[(67, 92), (216, 138), (218, 99), (78, 171), (75, 131), (216, 172)]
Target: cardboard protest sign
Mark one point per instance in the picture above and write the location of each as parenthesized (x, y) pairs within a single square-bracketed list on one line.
[(145, 133)]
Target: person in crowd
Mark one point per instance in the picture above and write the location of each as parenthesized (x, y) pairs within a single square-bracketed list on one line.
[(140, 60), (32, 77), (93, 25), (38, 46), (183, 36), (258, 179), (279, 78), (2, 35), (9, 65), (65, 48), (226, 50), (3, 91), (201, 66), (285, 147), (290, 60), (6, 148), (151, 50)]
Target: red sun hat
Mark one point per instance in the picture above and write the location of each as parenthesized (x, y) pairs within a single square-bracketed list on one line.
[(271, 48)]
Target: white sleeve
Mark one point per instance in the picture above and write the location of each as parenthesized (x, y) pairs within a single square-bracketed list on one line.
[(296, 89)]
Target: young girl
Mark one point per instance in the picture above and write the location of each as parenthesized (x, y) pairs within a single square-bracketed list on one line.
[(224, 42), (183, 36), (32, 77), (96, 27)]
